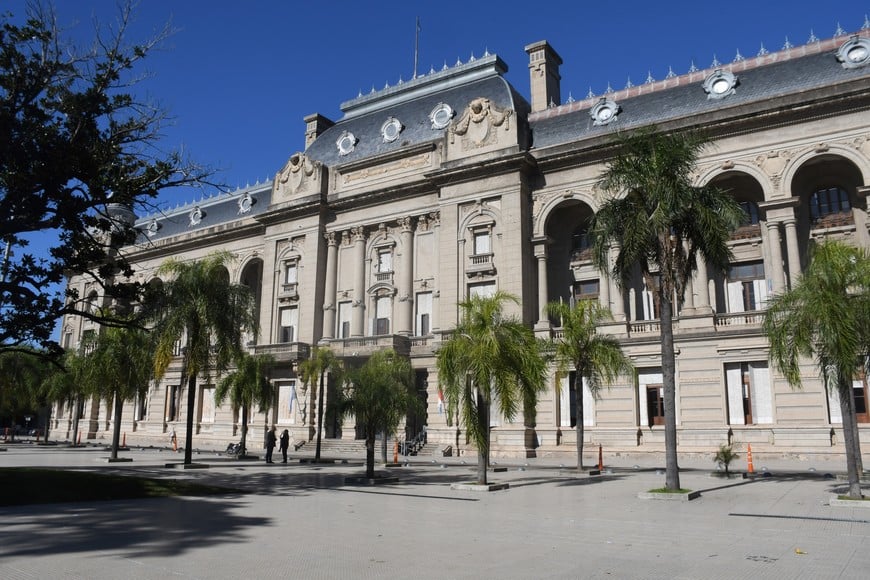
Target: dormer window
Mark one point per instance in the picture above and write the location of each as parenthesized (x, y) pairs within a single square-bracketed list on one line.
[(855, 52), (391, 129), (195, 216), (605, 111), (720, 84), (246, 202), (346, 143), (441, 116)]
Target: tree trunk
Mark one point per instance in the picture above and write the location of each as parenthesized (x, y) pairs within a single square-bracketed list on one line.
[(578, 403), (191, 400), (853, 450), (48, 424), (116, 431), (243, 444), (384, 447), (483, 425), (672, 470), (859, 462), (319, 417), (370, 454)]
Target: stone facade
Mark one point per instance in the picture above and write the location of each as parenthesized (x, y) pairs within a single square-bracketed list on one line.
[(452, 184)]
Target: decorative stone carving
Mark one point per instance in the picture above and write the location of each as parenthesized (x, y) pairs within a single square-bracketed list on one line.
[(773, 163), (300, 174), (477, 122)]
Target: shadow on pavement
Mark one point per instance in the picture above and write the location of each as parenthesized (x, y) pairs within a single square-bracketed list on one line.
[(138, 528)]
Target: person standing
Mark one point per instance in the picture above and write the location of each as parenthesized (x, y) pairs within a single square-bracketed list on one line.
[(270, 444), (285, 443)]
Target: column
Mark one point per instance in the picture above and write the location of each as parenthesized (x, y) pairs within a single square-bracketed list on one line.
[(791, 244), (775, 244), (332, 241), (357, 323), (543, 290), (702, 286), (615, 291), (405, 314), (604, 291)]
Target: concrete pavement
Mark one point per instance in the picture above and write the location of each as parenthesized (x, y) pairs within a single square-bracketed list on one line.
[(301, 521)]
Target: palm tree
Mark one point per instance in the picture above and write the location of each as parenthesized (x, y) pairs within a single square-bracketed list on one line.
[(826, 316), (65, 383), (594, 358), (489, 356), (21, 374), (214, 315), (119, 368), (315, 368), (660, 222), (246, 386), (379, 394)]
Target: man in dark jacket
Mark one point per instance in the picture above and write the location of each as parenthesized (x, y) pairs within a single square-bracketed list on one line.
[(270, 444)]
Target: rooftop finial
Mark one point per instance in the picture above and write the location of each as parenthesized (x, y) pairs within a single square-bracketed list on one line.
[(386, 85), (445, 67), (693, 68), (762, 51), (472, 59), (813, 38), (609, 89), (788, 45), (458, 61), (738, 57), (485, 52), (671, 74), (839, 31), (570, 98), (715, 62), (590, 94), (866, 25), (649, 78), (628, 83)]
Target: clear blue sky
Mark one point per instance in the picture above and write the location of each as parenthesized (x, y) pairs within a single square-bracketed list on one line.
[(238, 77)]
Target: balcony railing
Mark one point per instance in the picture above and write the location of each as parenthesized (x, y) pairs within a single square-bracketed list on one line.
[(751, 318), (284, 352), (646, 326), (480, 263), (364, 346)]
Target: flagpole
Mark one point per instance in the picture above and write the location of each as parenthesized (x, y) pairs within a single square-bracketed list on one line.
[(416, 45)]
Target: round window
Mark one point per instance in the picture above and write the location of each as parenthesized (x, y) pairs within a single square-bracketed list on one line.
[(390, 129), (346, 143), (440, 116)]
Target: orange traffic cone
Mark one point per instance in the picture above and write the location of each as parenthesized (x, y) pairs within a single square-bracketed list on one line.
[(749, 467), (600, 459)]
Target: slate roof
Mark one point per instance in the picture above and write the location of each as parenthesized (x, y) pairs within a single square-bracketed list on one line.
[(792, 75), (411, 103), (220, 209)]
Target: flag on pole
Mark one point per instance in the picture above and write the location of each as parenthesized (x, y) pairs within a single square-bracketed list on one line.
[(440, 401)]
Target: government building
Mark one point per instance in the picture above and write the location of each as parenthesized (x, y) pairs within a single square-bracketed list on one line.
[(453, 184)]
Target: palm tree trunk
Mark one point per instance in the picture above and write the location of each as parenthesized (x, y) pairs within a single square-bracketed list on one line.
[(319, 417), (578, 403), (370, 454), (191, 400), (672, 470), (859, 462), (847, 410), (77, 406), (483, 425), (384, 447), (116, 431), (243, 445)]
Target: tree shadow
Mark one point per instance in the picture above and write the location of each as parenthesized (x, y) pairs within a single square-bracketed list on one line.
[(139, 528)]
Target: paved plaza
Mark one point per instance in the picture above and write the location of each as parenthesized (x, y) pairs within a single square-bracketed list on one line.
[(301, 521)]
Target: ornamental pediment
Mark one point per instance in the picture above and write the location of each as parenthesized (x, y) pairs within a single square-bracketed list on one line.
[(299, 177)]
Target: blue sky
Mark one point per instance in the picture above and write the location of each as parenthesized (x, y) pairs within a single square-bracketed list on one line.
[(238, 77)]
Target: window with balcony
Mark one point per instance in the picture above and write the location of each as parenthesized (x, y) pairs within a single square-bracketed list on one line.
[(383, 309), (586, 290), (291, 273), (648, 301), (581, 244), (385, 261), (288, 321), (344, 314), (424, 314), (746, 287), (206, 410), (650, 397), (287, 402), (482, 242), (750, 401), (830, 207), (750, 228)]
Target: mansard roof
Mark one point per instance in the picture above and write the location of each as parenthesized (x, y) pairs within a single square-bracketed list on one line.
[(215, 210), (411, 103), (766, 81)]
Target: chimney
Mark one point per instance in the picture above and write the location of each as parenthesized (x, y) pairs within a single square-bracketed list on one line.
[(544, 75), (315, 125)]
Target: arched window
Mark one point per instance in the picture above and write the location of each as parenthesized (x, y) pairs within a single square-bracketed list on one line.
[(828, 201), (751, 209)]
